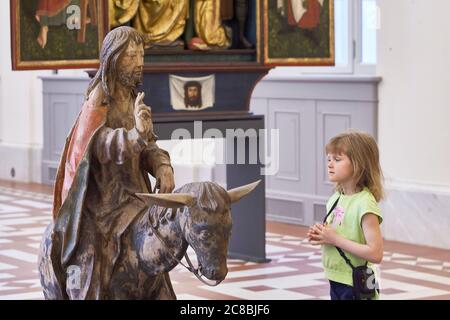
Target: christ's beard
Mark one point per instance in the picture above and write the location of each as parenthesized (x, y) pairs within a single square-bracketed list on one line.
[(130, 79), (194, 102)]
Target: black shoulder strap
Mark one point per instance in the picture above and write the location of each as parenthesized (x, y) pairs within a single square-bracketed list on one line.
[(347, 260), (331, 210)]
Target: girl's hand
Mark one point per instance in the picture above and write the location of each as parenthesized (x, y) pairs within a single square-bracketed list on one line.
[(311, 231), (322, 234)]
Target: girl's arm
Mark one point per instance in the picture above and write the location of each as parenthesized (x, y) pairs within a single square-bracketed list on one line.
[(372, 251)]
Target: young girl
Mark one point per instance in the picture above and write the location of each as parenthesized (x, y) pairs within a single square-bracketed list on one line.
[(354, 223)]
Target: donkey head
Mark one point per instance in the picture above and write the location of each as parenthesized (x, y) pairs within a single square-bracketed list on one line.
[(205, 221)]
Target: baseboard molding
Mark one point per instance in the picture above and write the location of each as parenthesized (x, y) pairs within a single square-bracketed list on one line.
[(292, 196), (417, 186), (289, 220), (417, 214), (24, 160), (240, 256)]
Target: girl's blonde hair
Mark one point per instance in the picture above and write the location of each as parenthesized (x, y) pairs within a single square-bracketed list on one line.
[(363, 153)]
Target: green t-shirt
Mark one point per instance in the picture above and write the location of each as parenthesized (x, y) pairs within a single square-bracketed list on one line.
[(346, 219)]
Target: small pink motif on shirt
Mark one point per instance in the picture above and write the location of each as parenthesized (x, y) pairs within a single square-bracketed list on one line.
[(338, 216)]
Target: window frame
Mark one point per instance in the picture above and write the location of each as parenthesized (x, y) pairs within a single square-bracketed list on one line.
[(359, 66), (354, 64)]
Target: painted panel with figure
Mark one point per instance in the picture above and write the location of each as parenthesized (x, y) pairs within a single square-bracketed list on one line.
[(299, 32), (53, 34), (193, 31)]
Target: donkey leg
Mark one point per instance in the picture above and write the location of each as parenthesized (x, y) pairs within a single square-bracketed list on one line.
[(166, 291)]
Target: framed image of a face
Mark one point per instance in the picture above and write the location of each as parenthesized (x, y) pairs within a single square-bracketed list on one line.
[(299, 32), (193, 95), (57, 34)]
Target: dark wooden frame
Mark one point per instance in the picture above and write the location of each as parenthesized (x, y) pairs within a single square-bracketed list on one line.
[(18, 64)]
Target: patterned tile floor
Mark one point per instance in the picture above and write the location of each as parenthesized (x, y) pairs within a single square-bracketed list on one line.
[(294, 272)]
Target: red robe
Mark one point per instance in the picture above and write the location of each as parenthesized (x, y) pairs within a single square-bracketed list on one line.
[(310, 19), (70, 189), (51, 8), (88, 122)]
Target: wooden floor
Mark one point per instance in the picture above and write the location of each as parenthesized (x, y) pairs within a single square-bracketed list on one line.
[(294, 272)]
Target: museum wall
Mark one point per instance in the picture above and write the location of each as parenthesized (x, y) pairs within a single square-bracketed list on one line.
[(414, 95), (413, 60), (20, 112), (413, 119), (412, 124)]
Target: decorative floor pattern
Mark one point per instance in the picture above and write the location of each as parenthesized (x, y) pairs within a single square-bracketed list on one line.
[(294, 271)]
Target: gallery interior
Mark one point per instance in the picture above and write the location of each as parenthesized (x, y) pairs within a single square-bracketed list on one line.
[(240, 91)]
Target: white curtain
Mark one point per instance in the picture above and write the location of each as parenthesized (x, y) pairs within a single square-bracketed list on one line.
[(177, 91)]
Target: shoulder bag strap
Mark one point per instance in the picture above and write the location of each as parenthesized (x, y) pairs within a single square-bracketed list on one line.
[(347, 260)]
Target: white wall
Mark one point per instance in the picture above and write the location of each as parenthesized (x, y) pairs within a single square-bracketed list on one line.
[(21, 125), (414, 114), (414, 110), (20, 111)]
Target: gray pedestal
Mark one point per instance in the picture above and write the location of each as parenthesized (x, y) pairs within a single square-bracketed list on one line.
[(249, 218)]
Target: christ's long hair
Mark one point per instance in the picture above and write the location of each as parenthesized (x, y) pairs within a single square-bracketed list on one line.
[(114, 44)]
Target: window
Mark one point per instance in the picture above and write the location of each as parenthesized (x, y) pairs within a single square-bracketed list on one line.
[(356, 23), (368, 33)]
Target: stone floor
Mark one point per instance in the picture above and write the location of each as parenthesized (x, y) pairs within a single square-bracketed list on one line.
[(294, 272)]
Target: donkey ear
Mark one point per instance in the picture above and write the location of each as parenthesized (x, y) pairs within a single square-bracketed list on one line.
[(169, 200), (237, 194)]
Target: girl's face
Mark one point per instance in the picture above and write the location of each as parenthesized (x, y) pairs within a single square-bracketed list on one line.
[(340, 168)]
